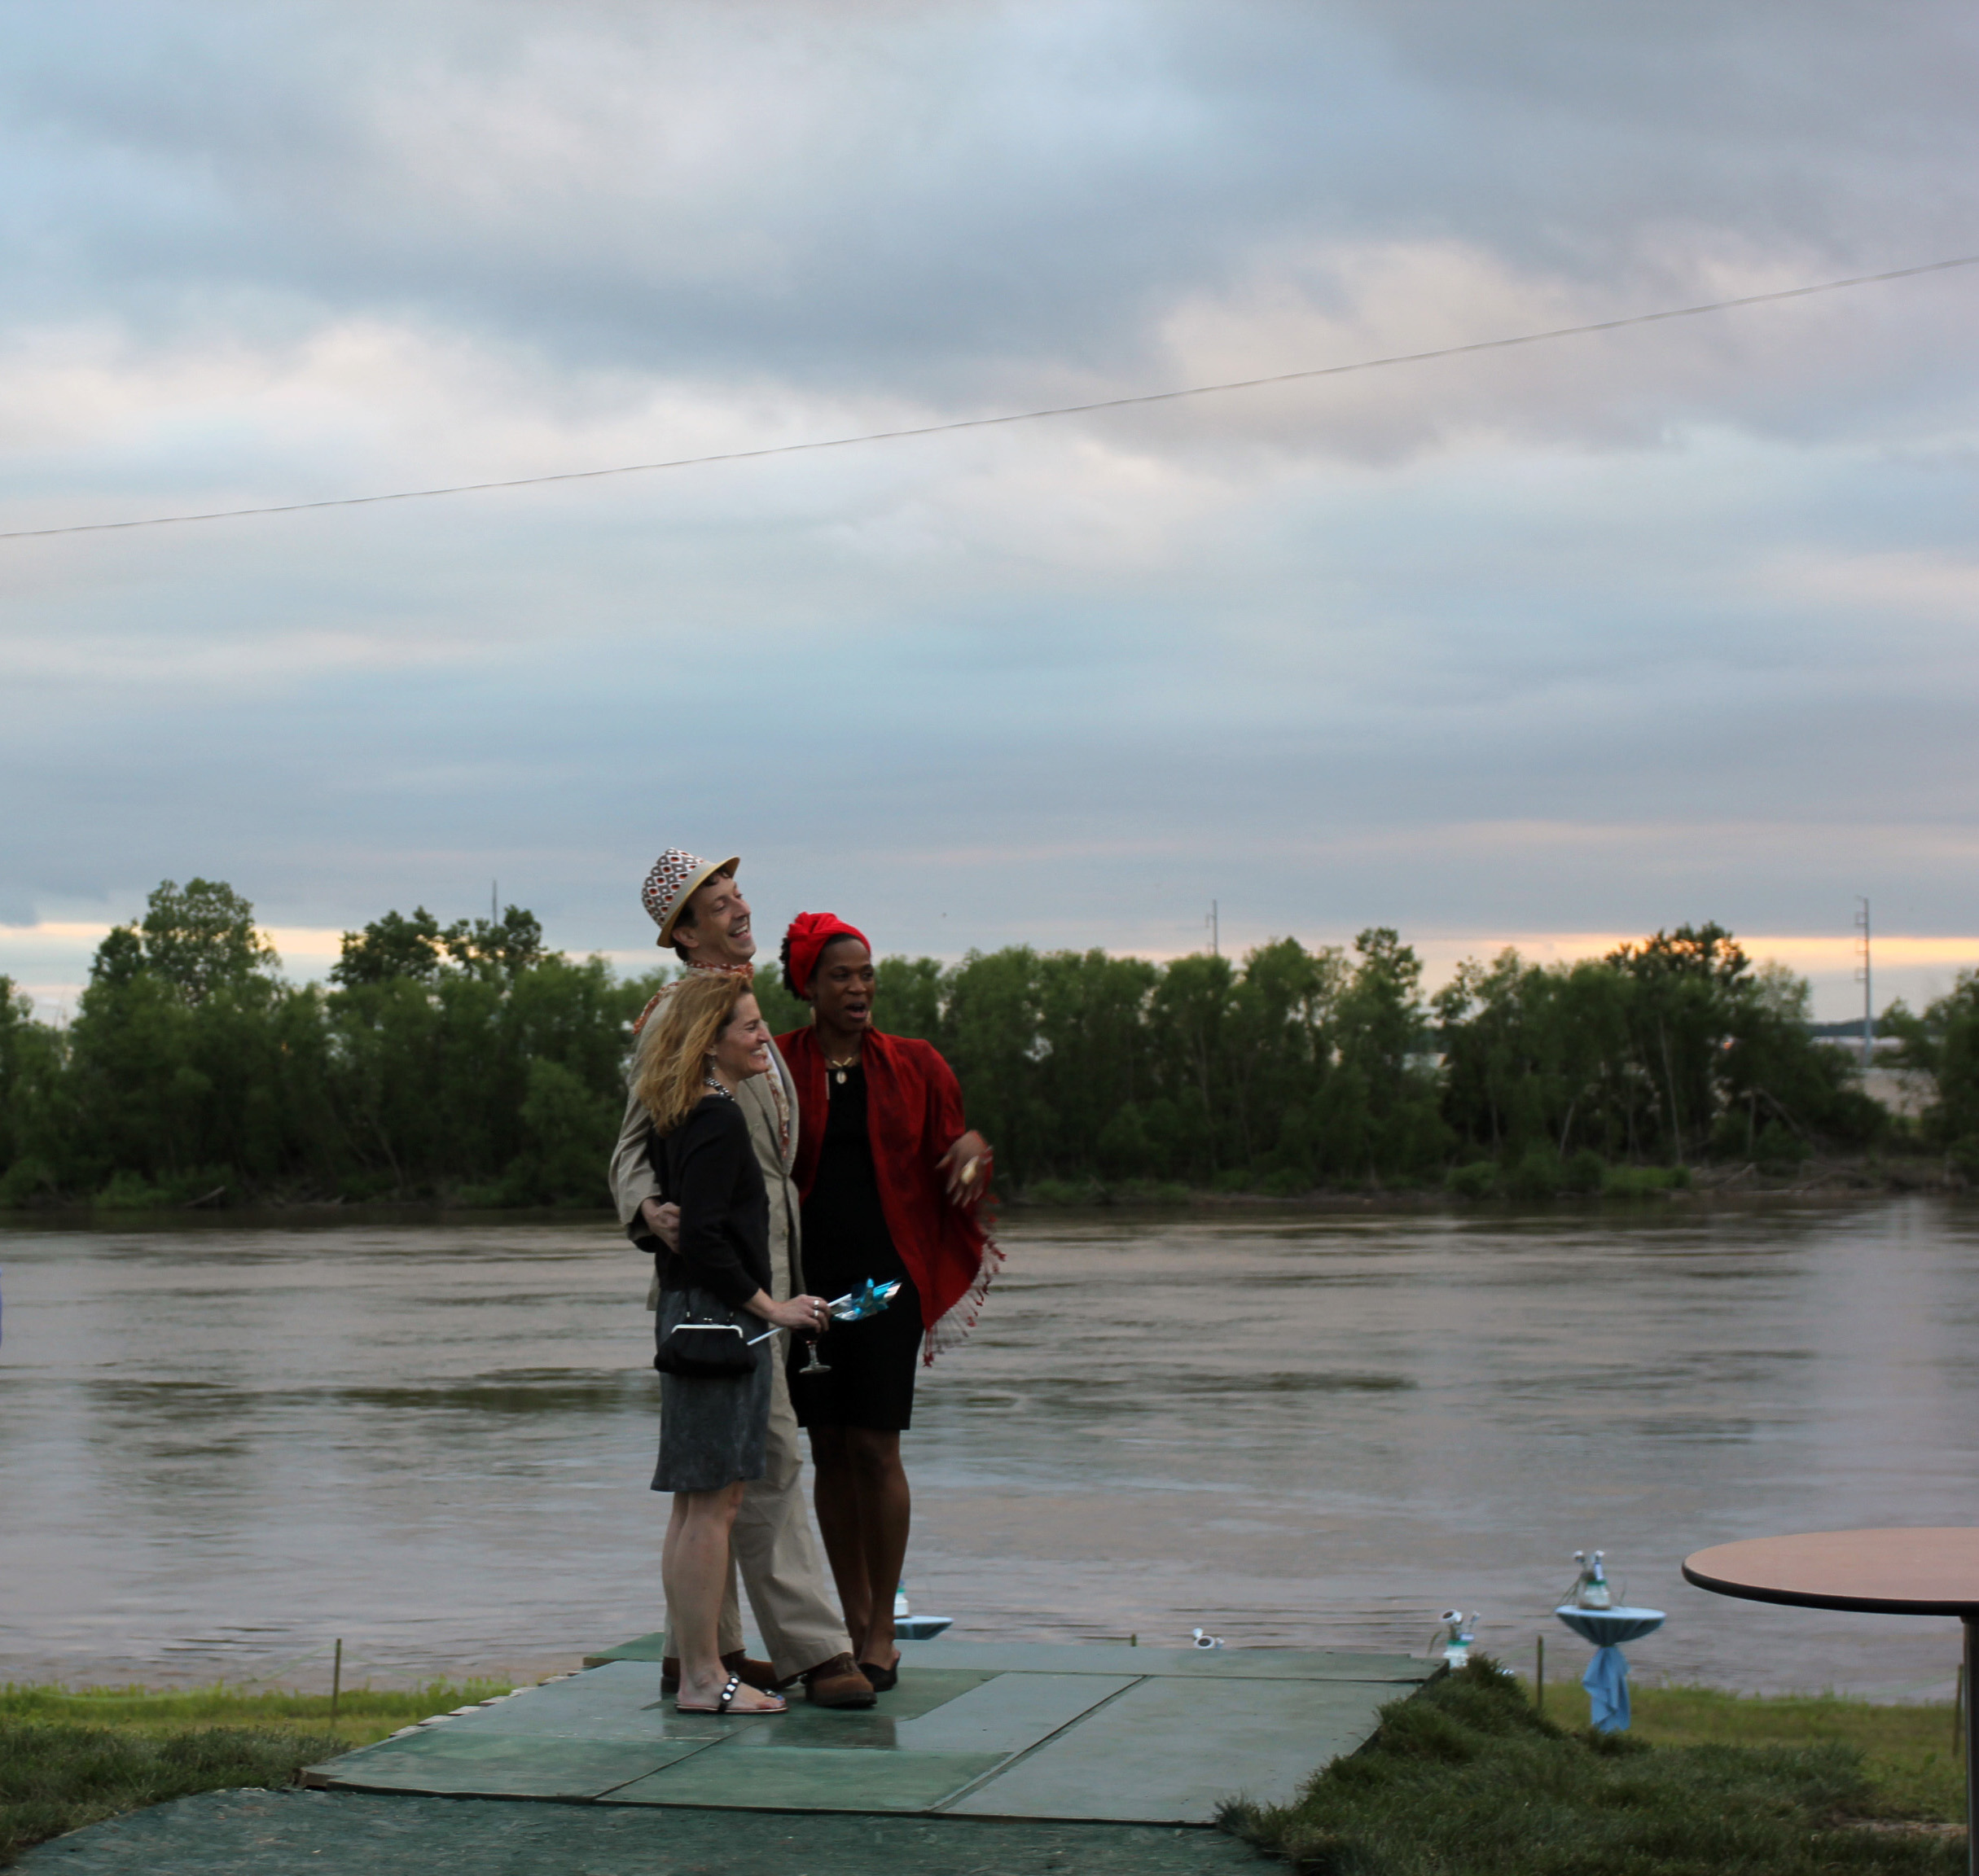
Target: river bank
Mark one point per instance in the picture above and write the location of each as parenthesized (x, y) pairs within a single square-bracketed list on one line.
[(1562, 1184), (1544, 1180)]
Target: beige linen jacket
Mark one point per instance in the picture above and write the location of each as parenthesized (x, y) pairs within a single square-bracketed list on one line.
[(633, 1181)]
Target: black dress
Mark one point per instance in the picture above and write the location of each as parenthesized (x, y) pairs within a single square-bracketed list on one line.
[(713, 1431), (846, 1240)]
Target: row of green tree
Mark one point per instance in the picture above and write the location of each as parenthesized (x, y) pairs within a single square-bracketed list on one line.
[(468, 1062)]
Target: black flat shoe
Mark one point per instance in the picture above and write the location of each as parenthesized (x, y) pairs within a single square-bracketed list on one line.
[(884, 1680)]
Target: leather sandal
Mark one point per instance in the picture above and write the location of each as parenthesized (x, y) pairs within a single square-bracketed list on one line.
[(758, 1674), (837, 1682), (726, 1700)]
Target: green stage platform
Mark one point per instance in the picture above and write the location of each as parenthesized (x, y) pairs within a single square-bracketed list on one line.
[(1123, 1735)]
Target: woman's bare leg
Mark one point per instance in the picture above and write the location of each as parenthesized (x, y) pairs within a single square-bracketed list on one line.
[(677, 1517), (694, 1567), (835, 1495), (886, 1509)]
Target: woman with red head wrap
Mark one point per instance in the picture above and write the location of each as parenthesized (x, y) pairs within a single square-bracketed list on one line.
[(890, 1175)]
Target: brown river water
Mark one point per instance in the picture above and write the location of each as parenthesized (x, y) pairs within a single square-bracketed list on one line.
[(225, 1444)]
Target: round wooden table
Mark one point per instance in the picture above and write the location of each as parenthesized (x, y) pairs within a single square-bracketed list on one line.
[(1931, 1570)]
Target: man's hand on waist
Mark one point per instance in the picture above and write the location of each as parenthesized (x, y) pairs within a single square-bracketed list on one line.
[(662, 1221)]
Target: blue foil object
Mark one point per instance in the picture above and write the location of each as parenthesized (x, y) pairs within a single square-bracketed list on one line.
[(868, 1300), (1607, 1678)]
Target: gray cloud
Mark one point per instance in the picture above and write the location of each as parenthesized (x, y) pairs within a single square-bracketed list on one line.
[(1595, 636), (933, 200)]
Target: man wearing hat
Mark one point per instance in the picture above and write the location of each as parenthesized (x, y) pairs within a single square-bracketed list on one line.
[(702, 914)]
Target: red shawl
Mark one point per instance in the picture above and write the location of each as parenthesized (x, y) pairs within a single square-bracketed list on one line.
[(913, 1116)]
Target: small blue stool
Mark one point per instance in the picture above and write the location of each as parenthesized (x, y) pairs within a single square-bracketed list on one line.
[(1607, 1678)]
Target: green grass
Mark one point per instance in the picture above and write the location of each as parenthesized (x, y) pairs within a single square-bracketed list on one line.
[(1540, 1173), (1906, 1751), (1467, 1779), (71, 1757), (1643, 1182)]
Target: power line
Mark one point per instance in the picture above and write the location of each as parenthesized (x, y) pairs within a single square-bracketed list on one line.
[(1010, 416)]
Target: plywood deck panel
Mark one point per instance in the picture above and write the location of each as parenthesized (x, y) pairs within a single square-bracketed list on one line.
[(1028, 1730), (1171, 1750)]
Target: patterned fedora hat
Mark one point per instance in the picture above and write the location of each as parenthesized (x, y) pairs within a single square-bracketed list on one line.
[(675, 879)]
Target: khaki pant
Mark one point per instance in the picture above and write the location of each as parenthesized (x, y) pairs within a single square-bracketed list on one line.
[(772, 1550)]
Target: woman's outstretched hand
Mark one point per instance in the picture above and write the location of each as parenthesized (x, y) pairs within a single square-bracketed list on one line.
[(965, 1167), (803, 1315)]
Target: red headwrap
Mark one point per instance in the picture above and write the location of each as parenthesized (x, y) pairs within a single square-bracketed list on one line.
[(809, 933)]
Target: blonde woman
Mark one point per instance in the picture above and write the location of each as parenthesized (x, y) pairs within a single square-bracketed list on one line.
[(705, 1039)]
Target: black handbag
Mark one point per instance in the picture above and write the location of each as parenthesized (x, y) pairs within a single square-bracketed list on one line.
[(701, 1339)]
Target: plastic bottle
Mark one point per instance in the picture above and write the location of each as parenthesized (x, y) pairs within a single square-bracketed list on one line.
[(1596, 1595)]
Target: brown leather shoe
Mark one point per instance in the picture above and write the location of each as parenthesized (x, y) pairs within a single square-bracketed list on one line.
[(837, 1682), (758, 1674)]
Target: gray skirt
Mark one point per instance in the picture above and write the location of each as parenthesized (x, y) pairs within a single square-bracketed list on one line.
[(712, 1433)]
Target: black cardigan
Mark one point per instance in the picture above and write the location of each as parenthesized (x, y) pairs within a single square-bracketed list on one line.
[(707, 1168)]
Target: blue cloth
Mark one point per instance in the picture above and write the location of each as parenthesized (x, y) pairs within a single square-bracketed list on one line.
[(1607, 1678), (1607, 1682)]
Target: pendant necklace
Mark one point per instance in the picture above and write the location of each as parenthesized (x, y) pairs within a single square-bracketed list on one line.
[(839, 1068)]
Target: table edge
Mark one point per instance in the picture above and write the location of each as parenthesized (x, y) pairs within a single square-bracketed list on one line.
[(1806, 1599)]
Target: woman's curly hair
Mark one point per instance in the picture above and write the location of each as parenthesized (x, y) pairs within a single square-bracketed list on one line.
[(679, 1038)]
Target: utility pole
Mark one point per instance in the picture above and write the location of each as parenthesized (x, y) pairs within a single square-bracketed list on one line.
[(1861, 977), (1216, 931), (495, 918)]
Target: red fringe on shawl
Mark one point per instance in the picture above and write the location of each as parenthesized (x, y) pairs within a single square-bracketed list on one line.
[(913, 1115)]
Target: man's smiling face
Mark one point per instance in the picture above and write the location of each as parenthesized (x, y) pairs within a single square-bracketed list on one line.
[(714, 929)]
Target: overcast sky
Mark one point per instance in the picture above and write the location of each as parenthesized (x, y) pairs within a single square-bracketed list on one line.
[(1574, 641)]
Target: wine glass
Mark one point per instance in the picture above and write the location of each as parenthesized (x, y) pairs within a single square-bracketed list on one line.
[(868, 1300)]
